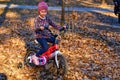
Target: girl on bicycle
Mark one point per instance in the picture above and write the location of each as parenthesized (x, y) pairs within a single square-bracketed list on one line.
[(41, 30)]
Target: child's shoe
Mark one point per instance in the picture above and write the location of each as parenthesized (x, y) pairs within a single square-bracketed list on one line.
[(35, 60)]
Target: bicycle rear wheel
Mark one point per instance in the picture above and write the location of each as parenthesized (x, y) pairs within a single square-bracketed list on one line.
[(27, 59)]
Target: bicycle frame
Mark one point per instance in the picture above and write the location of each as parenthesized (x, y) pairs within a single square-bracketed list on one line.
[(51, 58), (49, 53), (52, 51)]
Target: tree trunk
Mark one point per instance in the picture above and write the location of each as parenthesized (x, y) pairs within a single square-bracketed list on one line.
[(118, 18), (103, 2), (46, 0), (63, 13)]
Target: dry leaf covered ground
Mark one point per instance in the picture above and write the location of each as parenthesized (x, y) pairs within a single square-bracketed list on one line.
[(92, 53)]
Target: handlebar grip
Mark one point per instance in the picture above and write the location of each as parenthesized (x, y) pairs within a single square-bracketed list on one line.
[(62, 29)]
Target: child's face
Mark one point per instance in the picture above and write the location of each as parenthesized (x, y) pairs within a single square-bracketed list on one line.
[(43, 13)]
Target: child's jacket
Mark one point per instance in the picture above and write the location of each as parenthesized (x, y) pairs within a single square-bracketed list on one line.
[(44, 23)]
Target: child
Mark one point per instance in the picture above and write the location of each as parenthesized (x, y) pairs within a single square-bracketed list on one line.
[(41, 33)]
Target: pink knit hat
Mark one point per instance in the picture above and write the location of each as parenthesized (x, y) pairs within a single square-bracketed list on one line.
[(42, 5)]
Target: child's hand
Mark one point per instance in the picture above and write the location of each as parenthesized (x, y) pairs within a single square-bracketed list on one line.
[(35, 35), (64, 26), (42, 28)]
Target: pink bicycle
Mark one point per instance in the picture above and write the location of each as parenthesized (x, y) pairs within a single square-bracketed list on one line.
[(53, 63)]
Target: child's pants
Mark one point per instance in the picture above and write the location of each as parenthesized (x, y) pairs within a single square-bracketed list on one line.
[(44, 44)]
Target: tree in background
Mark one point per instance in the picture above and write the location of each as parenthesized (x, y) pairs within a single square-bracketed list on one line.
[(63, 13), (117, 9), (60, 2), (46, 0), (69, 17), (103, 2)]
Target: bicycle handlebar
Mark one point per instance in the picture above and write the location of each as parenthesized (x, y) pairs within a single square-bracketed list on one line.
[(55, 35)]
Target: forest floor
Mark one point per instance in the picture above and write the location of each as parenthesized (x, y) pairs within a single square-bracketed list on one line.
[(92, 50)]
